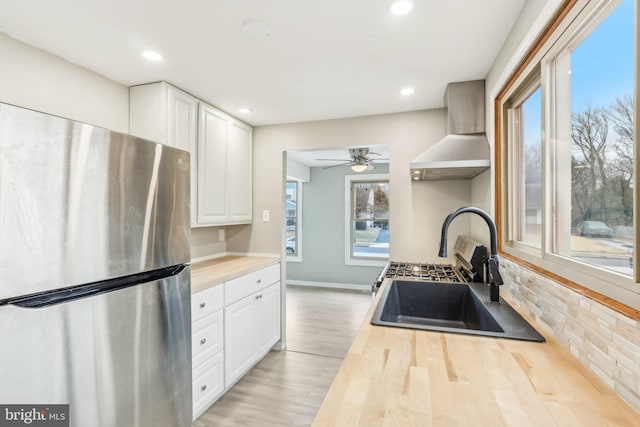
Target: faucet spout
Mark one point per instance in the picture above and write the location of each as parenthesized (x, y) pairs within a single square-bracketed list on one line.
[(493, 272)]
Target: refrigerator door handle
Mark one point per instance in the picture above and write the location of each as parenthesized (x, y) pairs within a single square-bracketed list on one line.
[(59, 296)]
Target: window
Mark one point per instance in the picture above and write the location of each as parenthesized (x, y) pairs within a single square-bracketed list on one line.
[(568, 129), (293, 238), (526, 122), (593, 93), (367, 219)]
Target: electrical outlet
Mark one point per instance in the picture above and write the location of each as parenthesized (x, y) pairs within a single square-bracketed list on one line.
[(221, 235), (265, 215)]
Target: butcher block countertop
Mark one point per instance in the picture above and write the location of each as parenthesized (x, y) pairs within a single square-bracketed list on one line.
[(404, 377), (206, 274)]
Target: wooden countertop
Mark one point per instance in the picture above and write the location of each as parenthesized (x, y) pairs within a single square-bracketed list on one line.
[(213, 272), (404, 377)]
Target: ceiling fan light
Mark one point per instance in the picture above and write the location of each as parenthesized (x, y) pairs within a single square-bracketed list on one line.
[(359, 167)]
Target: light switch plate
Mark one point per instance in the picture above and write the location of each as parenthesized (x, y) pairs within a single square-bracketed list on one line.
[(221, 235), (265, 215)]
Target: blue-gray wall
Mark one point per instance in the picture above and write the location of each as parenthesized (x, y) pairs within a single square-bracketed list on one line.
[(323, 229)]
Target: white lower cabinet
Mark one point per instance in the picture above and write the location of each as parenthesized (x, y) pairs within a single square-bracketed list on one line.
[(240, 333), (234, 325), (252, 323), (268, 318)]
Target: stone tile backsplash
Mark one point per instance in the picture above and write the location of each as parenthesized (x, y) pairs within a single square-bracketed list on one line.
[(604, 340)]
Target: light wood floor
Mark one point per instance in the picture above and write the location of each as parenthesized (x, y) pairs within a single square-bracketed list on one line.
[(287, 387)]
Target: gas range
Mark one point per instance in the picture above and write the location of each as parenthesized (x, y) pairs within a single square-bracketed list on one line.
[(470, 260)]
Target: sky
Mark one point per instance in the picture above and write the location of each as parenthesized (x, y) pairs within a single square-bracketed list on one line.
[(602, 65), (602, 68)]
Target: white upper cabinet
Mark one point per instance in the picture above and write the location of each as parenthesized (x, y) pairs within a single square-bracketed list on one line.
[(239, 172), (224, 168), (182, 118), (212, 166), (161, 113), (220, 147)]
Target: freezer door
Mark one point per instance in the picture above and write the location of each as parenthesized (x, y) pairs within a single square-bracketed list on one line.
[(121, 358), (80, 203)]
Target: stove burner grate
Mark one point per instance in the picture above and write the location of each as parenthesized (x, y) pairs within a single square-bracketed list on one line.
[(423, 272)]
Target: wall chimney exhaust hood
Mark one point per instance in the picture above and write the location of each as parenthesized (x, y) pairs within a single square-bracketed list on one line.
[(464, 152)]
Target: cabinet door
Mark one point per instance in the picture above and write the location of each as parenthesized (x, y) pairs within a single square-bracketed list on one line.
[(182, 133), (212, 166), (240, 163), (268, 317), (240, 338)]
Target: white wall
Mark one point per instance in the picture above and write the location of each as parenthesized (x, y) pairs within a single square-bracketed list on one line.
[(417, 209), (297, 171), (323, 231), (528, 25), (35, 79)]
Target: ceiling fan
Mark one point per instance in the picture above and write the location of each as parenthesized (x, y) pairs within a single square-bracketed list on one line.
[(359, 161)]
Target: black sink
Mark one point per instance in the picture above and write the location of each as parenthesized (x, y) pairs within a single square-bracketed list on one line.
[(437, 304), (450, 307)]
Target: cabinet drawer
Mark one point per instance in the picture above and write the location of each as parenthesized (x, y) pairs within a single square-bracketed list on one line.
[(246, 285), (208, 384), (206, 302), (207, 334)]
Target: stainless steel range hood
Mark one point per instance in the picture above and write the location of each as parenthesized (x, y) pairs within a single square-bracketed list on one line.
[(464, 152)]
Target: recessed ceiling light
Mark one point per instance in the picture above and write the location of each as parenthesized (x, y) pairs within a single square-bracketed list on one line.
[(151, 55), (407, 91), (401, 7), (245, 110)]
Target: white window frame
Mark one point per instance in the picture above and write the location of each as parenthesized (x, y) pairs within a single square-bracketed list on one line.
[(298, 255), (574, 28), (348, 238)]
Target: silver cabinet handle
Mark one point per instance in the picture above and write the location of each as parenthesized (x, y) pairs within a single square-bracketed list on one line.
[(203, 388), (257, 296), (203, 341), (202, 304)]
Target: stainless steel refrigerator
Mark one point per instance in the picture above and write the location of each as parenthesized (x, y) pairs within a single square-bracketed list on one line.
[(94, 281)]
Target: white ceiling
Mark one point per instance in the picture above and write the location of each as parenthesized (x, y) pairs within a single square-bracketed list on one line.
[(322, 59)]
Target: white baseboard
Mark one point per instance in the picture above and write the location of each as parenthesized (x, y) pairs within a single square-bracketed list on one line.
[(351, 286)]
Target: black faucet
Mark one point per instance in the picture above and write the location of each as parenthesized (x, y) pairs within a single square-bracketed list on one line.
[(493, 271)]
